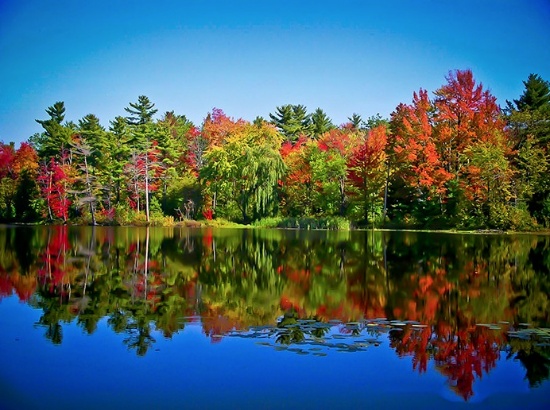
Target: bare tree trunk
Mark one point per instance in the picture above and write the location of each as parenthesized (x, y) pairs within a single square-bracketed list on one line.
[(147, 185), (48, 196), (146, 267), (386, 191), (90, 194)]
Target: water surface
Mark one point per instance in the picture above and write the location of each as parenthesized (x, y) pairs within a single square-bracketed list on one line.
[(204, 318)]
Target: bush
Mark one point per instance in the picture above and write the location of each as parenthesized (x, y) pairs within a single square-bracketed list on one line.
[(333, 223), (272, 222)]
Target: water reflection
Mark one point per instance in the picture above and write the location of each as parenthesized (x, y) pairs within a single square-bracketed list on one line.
[(455, 300)]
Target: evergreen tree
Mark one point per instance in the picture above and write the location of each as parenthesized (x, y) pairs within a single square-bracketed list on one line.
[(320, 122), (375, 121), (25, 196), (355, 121), (91, 130), (144, 133), (119, 153), (141, 112), (292, 121), (56, 136), (528, 120), (535, 96), (172, 143)]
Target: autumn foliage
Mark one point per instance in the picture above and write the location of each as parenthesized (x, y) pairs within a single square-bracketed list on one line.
[(448, 159)]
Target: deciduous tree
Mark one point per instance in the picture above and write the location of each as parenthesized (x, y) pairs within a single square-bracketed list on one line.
[(367, 172)]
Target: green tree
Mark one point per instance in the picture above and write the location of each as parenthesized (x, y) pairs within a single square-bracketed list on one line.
[(292, 121), (145, 134), (56, 136), (245, 172), (375, 121), (26, 196), (173, 144), (328, 161), (141, 112), (86, 182), (320, 123), (535, 96), (356, 121), (488, 188), (119, 137), (528, 120), (95, 135)]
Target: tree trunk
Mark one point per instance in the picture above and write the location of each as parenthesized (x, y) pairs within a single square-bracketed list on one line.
[(386, 190), (90, 194), (147, 186)]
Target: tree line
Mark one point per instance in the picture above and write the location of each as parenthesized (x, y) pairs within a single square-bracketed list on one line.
[(454, 159)]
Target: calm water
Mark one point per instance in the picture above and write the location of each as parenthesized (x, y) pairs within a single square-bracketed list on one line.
[(203, 318)]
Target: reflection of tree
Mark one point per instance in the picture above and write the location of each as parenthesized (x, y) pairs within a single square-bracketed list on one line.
[(460, 354), (531, 283), (288, 329), (55, 285), (139, 336), (146, 280), (534, 355)]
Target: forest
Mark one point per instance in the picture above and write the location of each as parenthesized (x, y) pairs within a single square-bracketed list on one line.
[(452, 159)]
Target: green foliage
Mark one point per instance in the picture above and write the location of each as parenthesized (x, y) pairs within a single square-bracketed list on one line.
[(293, 121), (375, 121), (356, 121), (141, 112), (25, 204), (535, 96), (328, 171), (56, 136), (244, 173), (124, 215), (182, 197), (529, 122), (448, 162), (320, 123), (7, 205), (334, 223)]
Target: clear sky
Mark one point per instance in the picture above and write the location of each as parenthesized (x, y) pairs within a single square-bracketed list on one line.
[(248, 57)]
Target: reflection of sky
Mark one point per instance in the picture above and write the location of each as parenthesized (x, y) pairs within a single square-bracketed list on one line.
[(189, 371)]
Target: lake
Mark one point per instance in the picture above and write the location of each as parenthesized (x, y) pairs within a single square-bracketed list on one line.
[(215, 318)]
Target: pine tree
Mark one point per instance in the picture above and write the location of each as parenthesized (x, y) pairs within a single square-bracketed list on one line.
[(320, 122), (355, 121), (56, 136), (292, 121), (528, 120), (144, 134), (536, 95), (141, 112)]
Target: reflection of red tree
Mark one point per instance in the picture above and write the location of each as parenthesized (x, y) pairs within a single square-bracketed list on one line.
[(366, 297), (461, 350), (215, 324), (208, 237), (146, 282), (6, 287), (53, 270), (467, 354), (24, 285), (430, 291), (287, 303), (461, 354), (413, 342)]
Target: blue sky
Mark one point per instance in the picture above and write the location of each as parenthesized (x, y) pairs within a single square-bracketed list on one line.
[(248, 57)]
